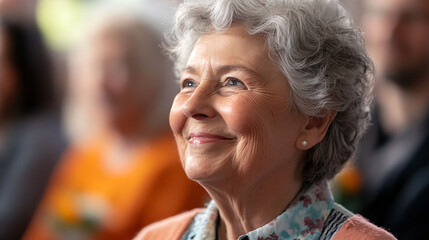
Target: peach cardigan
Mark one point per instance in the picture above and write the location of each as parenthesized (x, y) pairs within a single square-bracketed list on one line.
[(355, 228)]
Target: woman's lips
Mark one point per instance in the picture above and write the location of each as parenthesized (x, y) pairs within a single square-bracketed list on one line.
[(202, 138)]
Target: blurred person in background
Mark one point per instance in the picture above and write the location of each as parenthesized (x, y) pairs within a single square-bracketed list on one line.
[(393, 158), (111, 185), (31, 138)]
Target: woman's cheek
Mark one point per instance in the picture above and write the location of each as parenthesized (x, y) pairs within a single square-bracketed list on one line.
[(177, 121), (181, 147), (177, 117), (252, 119), (249, 114)]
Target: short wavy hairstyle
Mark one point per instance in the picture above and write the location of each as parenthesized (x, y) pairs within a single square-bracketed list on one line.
[(319, 50)]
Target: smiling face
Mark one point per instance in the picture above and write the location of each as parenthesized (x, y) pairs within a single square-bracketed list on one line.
[(232, 117)]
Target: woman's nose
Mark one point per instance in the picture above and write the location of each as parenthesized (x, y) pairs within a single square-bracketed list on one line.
[(200, 104)]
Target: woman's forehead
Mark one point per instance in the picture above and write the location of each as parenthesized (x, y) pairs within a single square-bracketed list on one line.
[(233, 47)]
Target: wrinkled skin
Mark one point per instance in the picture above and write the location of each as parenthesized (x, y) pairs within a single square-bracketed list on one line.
[(237, 132), (231, 89)]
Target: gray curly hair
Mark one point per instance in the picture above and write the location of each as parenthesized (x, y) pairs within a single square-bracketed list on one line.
[(318, 49)]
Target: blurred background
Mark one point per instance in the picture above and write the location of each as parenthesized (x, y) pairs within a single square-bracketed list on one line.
[(85, 147)]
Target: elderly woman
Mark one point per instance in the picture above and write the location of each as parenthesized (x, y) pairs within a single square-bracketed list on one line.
[(274, 97)]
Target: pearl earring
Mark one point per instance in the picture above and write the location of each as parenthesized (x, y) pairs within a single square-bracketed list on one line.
[(304, 143)]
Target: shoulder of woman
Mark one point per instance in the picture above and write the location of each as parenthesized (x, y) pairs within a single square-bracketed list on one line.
[(358, 228), (170, 228)]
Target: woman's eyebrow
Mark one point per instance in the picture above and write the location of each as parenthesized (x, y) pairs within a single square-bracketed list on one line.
[(189, 69), (229, 68), (222, 69)]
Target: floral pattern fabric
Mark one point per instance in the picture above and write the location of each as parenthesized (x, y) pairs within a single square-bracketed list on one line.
[(303, 219)]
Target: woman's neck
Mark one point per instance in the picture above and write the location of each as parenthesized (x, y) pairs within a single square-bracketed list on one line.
[(246, 205)]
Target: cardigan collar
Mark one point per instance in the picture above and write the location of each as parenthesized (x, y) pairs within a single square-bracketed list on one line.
[(303, 218)]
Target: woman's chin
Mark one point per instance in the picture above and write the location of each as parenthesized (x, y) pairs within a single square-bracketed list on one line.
[(201, 171), (198, 174)]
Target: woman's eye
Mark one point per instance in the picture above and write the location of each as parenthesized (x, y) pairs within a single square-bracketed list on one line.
[(234, 82), (188, 83)]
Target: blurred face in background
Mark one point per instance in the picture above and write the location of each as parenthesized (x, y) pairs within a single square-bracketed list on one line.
[(397, 34), (122, 90)]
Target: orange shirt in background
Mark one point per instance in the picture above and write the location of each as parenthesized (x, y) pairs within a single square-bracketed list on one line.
[(87, 200)]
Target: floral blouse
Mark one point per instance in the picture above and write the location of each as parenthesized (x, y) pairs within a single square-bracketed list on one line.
[(303, 219)]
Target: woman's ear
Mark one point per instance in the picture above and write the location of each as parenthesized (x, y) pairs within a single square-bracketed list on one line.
[(314, 130)]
